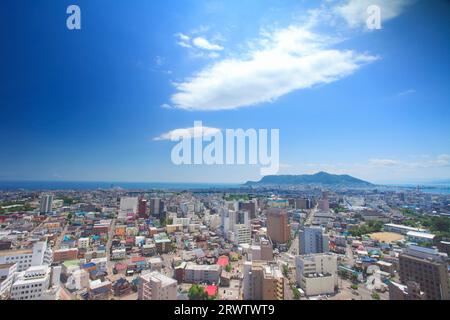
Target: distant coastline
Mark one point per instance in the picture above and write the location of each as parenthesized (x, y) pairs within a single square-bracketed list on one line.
[(91, 185)]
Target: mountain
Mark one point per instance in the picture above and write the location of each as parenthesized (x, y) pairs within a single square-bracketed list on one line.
[(321, 178)]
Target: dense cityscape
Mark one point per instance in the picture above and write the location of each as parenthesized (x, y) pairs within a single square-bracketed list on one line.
[(219, 158), (250, 243)]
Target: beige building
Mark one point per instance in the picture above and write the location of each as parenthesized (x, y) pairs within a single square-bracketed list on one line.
[(263, 281), (278, 226), (156, 286)]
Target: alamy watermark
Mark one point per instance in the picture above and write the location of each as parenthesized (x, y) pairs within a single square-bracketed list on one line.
[(235, 147), (373, 21)]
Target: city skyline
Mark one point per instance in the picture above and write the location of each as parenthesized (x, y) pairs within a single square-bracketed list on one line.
[(100, 102)]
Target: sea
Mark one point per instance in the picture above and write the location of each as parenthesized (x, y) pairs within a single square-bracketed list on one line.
[(78, 185), (439, 189)]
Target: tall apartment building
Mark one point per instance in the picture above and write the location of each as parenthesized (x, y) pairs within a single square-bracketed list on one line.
[(317, 273), (36, 283), (313, 240), (142, 208), (324, 204), (249, 206), (410, 291), (278, 228), (241, 234), (156, 286), (38, 255), (46, 203), (156, 207), (128, 205), (263, 281), (266, 249), (428, 268), (303, 204)]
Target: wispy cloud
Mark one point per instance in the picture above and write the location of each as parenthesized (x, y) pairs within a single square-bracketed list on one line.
[(383, 162), (288, 59), (406, 92), (203, 43), (187, 133)]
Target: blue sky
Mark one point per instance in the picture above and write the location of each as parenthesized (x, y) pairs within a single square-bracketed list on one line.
[(88, 104)]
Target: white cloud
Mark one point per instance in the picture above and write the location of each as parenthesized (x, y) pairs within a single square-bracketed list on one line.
[(159, 61), (443, 160), (204, 44), (383, 162), (166, 106), (355, 11), (187, 133), (183, 40), (406, 92), (287, 60)]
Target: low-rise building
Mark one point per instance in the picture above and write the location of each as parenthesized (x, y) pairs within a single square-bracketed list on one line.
[(194, 273), (317, 273)]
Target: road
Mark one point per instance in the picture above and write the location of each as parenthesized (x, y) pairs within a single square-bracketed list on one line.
[(112, 229), (61, 237), (310, 218)]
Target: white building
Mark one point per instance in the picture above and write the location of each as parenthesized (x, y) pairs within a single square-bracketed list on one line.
[(419, 237), (78, 280), (46, 203), (7, 274), (398, 228), (317, 273), (101, 263), (128, 205), (36, 283), (241, 234), (194, 273), (40, 254), (156, 286), (119, 254), (83, 243)]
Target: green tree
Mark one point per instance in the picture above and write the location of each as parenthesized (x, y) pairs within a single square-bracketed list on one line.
[(295, 293), (285, 270), (196, 292)]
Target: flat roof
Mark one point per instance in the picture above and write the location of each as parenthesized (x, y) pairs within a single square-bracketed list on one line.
[(421, 234), (15, 252)]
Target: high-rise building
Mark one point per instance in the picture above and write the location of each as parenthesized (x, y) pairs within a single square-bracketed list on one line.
[(156, 207), (410, 291), (128, 205), (278, 228), (317, 273), (249, 206), (263, 281), (242, 234), (40, 254), (427, 267), (266, 249), (302, 204), (156, 286), (313, 240), (46, 203), (36, 283), (142, 208), (324, 204)]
